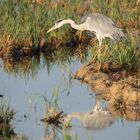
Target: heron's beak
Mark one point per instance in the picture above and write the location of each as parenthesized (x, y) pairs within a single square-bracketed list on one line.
[(50, 30)]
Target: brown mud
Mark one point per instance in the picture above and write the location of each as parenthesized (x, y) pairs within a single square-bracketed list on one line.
[(120, 88)]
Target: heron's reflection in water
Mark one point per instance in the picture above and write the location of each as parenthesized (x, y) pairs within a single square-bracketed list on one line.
[(95, 119)]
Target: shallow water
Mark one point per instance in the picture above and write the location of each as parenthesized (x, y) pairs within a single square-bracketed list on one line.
[(27, 91)]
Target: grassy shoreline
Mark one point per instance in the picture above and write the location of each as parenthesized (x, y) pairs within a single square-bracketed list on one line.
[(24, 25)]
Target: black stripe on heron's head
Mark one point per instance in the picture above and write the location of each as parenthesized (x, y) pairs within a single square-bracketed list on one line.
[(60, 20)]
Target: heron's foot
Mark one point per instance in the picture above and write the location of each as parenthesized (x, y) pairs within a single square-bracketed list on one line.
[(79, 34)]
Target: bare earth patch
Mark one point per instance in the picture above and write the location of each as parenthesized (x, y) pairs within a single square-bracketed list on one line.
[(121, 90)]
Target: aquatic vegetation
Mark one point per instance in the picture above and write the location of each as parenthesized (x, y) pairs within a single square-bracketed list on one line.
[(67, 136), (52, 115), (7, 115)]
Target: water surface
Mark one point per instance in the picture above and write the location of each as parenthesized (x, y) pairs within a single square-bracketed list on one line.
[(28, 85)]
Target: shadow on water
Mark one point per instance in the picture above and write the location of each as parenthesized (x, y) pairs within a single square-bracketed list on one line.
[(99, 123)]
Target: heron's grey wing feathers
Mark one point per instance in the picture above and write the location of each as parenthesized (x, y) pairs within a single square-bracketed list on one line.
[(83, 19), (102, 25)]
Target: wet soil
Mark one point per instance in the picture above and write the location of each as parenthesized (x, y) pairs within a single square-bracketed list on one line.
[(120, 88)]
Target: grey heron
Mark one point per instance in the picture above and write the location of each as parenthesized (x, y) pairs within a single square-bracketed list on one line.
[(102, 26)]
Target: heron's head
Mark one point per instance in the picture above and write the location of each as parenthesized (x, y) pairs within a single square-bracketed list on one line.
[(58, 24)]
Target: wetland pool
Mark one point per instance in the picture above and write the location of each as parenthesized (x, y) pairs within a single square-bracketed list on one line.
[(27, 92)]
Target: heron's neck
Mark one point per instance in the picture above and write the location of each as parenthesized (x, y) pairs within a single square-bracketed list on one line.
[(74, 25)]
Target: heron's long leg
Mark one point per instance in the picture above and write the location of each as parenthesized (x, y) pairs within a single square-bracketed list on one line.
[(99, 52), (100, 44), (97, 55)]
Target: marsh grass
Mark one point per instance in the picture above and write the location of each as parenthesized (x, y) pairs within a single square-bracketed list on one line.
[(127, 57), (7, 115), (26, 23)]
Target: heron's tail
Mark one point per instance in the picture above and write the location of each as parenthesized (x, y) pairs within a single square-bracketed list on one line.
[(117, 34)]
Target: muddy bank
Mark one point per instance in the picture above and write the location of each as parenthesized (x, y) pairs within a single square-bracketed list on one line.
[(120, 89)]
